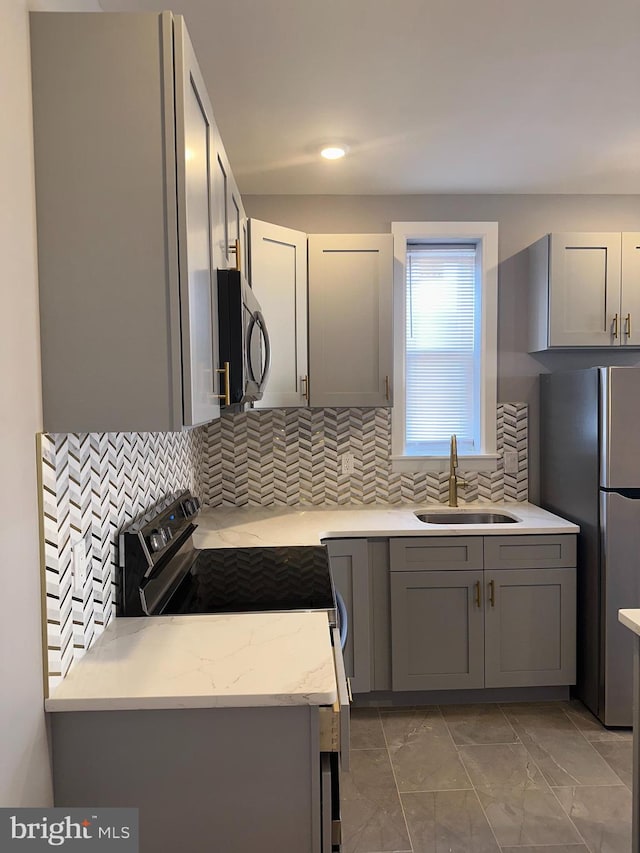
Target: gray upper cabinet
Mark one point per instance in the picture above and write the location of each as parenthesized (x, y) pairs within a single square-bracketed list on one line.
[(630, 289), (279, 280), (350, 319), (584, 290), (131, 223)]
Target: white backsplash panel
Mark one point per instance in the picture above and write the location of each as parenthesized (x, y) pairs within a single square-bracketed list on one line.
[(294, 456), (93, 486)]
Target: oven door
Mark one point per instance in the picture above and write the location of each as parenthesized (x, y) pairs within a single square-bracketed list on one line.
[(257, 347)]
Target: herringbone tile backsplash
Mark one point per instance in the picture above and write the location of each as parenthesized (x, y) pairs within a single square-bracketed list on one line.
[(293, 456), (94, 485)]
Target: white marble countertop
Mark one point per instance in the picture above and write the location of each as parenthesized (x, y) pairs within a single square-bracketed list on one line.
[(228, 527), (630, 619), (202, 661)]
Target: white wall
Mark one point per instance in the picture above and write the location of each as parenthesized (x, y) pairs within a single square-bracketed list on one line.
[(25, 776)]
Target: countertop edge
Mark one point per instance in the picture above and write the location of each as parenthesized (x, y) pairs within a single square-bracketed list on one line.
[(165, 703), (630, 618)]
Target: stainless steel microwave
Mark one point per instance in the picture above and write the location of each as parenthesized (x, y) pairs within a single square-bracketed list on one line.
[(244, 342)]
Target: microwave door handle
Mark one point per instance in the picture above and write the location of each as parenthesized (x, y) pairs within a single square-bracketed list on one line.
[(267, 348)]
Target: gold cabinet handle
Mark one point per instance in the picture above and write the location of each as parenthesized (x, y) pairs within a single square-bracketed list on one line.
[(227, 385), (349, 691), (492, 593), (235, 247), (627, 325), (615, 327), (478, 600), (305, 387), (387, 388)]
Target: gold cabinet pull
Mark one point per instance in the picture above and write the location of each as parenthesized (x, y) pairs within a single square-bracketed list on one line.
[(492, 593), (227, 385), (235, 247), (627, 325), (305, 387), (478, 600), (349, 691), (615, 327), (387, 388)]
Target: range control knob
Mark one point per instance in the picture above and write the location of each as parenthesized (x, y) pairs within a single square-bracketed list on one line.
[(158, 540), (167, 533), (197, 504), (189, 507)]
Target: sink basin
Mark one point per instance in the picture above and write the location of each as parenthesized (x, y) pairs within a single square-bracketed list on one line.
[(465, 518)]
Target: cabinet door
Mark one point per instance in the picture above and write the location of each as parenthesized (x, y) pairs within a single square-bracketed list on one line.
[(437, 629), (221, 173), (349, 560), (530, 627), (350, 319), (279, 280), (198, 302), (584, 290), (234, 220), (630, 301)]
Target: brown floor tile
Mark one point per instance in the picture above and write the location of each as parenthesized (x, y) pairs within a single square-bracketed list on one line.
[(602, 815), (371, 812), (448, 822)]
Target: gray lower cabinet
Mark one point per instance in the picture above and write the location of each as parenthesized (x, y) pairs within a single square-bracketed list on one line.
[(349, 559), (530, 627), (360, 569), (438, 630), (227, 779), (474, 612)]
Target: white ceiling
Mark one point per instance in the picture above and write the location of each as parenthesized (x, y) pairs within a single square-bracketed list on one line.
[(433, 96)]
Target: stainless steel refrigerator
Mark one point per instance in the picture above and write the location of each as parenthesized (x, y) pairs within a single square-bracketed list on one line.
[(590, 474)]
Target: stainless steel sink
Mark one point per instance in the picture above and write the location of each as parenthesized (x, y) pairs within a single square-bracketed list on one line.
[(465, 518)]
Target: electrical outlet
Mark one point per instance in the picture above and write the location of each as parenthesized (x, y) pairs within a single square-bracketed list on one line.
[(80, 563), (347, 463), (510, 461)]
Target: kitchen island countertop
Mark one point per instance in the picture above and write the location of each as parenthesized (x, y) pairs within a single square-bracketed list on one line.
[(233, 526), (203, 661)]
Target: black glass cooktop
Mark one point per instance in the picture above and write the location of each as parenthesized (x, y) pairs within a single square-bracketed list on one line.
[(237, 580)]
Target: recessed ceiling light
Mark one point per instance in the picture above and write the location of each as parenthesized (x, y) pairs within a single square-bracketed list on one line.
[(333, 152)]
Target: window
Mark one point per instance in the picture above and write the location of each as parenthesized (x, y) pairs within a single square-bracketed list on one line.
[(445, 344)]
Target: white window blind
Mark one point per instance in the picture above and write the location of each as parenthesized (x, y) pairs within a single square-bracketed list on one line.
[(442, 349)]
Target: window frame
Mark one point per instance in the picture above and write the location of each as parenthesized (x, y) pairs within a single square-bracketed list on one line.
[(485, 236)]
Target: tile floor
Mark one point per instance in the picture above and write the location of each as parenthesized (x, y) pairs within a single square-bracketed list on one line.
[(521, 778)]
